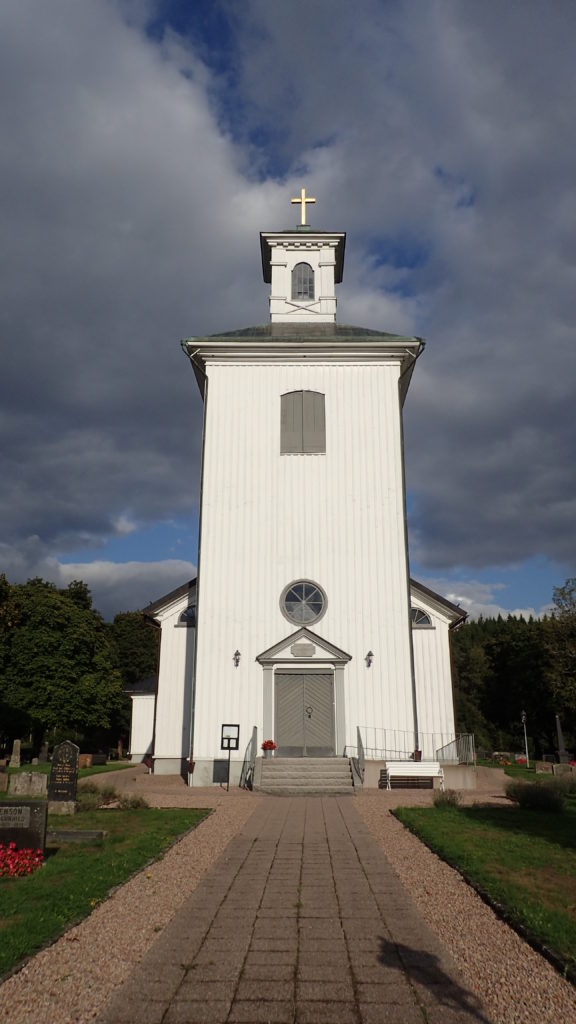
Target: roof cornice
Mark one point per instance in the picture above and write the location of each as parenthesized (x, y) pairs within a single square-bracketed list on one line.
[(372, 348)]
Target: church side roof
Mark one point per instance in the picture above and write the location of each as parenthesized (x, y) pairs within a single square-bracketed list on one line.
[(152, 609), (456, 613)]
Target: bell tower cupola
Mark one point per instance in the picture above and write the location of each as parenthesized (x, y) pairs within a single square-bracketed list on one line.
[(303, 267)]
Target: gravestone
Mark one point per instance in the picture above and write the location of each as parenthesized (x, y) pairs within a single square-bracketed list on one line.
[(15, 759), (31, 784), (23, 822), (3, 781), (563, 756), (43, 755), (63, 778)]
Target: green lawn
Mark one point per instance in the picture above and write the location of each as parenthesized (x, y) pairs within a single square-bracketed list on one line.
[(525, 860), (36, 909), (513, 770), (84, 773), (44, 769)]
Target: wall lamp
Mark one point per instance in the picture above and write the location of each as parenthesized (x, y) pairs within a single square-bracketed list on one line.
[(236, 658), (369, 659)]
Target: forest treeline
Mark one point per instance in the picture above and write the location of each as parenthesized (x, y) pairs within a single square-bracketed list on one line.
[(64, 671), (504, 666)]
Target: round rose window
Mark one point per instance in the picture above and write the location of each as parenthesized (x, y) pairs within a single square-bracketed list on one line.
[(303, 602)]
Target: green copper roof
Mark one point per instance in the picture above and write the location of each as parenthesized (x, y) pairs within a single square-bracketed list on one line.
[(308, 330)]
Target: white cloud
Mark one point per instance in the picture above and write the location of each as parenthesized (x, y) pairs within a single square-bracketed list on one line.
[(127, 586), (480, 599), (123, 525)]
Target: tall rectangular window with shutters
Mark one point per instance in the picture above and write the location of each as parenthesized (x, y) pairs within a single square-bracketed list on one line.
[(302, 423)]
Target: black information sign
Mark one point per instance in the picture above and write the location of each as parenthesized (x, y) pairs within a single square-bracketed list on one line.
[(229, 740), (230, 737), (64, 772)]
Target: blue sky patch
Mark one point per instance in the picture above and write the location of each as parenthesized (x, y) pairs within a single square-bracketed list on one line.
[(155, 544)]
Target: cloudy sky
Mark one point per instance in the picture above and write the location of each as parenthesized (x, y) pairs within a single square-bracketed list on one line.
[(144, 146)]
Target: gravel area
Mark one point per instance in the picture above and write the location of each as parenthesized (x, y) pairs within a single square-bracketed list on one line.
[(70, 981), (515, 983)]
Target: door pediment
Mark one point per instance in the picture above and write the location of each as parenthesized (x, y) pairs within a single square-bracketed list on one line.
[(303, 646)]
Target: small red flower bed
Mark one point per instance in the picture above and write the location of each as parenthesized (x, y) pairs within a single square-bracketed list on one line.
[(14, 863)]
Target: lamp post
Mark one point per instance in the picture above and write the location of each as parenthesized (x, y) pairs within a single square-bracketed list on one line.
[(523, 716)]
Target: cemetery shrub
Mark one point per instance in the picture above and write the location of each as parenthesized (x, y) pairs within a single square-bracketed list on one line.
[(90, 796), (447, 798), (133, 803), (537, 796)]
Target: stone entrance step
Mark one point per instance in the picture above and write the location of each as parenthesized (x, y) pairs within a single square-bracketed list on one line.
[(305, 776)]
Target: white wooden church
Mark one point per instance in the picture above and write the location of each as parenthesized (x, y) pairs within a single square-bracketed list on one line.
[(303, 626)]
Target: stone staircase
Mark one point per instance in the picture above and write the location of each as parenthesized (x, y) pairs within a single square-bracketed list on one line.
[(304, 776)]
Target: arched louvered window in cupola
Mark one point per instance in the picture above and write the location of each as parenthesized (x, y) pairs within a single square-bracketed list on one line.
[(302, 282)]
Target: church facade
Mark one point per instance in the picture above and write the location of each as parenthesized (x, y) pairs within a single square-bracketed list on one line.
[(303, 622)]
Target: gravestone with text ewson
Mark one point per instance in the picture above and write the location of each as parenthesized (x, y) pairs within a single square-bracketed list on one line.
[(23, 823)]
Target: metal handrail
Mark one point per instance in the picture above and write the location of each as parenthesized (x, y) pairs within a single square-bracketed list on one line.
[(359, 762), (460, 750), (397, 744), (249, 763)]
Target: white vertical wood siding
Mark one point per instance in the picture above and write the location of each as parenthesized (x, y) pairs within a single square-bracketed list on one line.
[(269, 519), (141, 726), (433, 680), (173, 710)]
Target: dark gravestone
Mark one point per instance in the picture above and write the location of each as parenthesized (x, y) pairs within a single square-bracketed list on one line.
[(64, 772), (23, 822)]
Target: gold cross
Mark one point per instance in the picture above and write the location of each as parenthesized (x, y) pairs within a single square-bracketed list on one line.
[(303, 200)]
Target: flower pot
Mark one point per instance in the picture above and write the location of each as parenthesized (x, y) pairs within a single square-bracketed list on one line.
[(268, 753)]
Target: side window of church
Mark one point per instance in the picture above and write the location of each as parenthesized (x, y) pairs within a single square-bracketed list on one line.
[(420, 618), (302, 282), (302, 423)]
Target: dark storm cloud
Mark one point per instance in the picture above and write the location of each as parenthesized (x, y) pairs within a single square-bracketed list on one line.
[(448, 128), (438, 135)]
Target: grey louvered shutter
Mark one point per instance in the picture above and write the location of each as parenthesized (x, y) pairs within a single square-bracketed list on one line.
[(313, 422), (291, 422)]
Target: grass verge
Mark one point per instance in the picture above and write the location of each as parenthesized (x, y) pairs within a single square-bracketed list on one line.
[(36, 909), (524, 861), (97, 769)]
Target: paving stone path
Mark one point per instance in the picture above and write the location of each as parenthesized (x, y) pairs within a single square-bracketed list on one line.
[(300, 921)]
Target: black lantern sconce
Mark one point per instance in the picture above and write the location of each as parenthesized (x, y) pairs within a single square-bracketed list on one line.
[(236, 658), (369, 659)]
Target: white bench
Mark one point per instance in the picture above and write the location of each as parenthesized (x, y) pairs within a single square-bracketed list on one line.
[(414, 770)]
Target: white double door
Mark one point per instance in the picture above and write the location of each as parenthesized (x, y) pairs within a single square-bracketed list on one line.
[(304, 713)]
